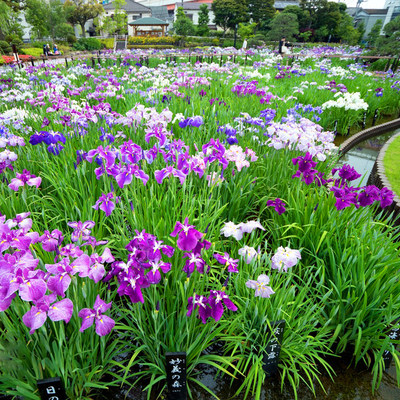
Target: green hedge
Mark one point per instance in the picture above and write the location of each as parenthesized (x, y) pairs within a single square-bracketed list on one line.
[(150, 46)]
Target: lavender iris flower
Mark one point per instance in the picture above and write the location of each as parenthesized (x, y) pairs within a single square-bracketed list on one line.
[(104, 324), (106, 204), (25, 178), (45, 307), (81, 230), (260, 286)]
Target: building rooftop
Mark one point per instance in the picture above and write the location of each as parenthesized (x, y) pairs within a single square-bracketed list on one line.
[(149, 21), (130, 7)]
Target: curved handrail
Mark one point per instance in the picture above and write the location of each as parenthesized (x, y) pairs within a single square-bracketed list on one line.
[(368, 134)]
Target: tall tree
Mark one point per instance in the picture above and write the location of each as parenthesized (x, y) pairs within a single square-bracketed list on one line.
[(80, 11), (229, 13), (390, 43), (204, 19), (9, 21), (303, 16), (374, 33), (183, 26), (283, 24), (118, 23), (45, 17), (261, 11)]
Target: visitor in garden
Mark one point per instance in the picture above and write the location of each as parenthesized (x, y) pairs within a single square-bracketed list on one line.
[(55, 50), (283, 49), (45, 51)]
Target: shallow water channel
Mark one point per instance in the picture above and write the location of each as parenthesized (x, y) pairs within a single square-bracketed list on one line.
[(349, 383), (362, 157)]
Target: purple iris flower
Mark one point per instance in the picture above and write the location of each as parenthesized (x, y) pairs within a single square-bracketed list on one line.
[(227, 261), (194, 261), (97, 270), (45, 307), (160, 175), (51, 241), (278, 204), (202, 93), (132, 283), (192, 121), (25, 178), (127, 173), (154, 275), (347, 172), (215, 300), (188, 236), (81, 230), (62, 272), (344, 197), (103, 153), (201, 303), (45, 122), (104, 324), (386, 197), (106, 204), (368, 196), (52, 137), (55, 148), (305, 163), (38, 137)]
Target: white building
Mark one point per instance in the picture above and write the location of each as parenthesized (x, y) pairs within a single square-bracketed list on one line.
[(133, 10)]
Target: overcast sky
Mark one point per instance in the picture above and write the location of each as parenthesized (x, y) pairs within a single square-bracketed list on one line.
[(366, 4)]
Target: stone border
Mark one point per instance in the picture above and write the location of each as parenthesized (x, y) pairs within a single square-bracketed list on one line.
[(368, 134), (379, 179)]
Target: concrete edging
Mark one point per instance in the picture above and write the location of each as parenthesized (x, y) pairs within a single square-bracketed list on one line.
[(368, 134)]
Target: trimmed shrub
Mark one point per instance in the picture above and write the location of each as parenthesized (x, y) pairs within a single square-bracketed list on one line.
[(5, 48), (87, 44), (107, 43), (148, 40)]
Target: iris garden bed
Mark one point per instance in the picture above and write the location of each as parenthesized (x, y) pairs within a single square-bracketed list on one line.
[(174, 207)]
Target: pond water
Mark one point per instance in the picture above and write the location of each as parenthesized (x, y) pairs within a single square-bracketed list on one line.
[(362, 157)]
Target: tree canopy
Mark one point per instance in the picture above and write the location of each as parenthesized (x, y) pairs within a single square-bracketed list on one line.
[(229, 13), (78, 12)]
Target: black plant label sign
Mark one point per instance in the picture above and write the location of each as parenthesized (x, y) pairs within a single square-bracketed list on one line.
[(51, 389), (273, 348), (176, 375), (394, 334)]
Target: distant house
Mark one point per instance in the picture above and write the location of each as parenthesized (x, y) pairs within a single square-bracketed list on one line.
[(133, 10), (166, 9), (370, 15)]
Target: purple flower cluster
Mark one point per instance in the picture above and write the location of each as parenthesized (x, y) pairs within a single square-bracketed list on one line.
[(192, 241), (211, 306), (51, 138), (143, 267), (345, 194), (196, 122), (20, 273)]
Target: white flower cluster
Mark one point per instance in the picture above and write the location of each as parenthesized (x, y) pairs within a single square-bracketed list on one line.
[(348, 101), (305, 136)]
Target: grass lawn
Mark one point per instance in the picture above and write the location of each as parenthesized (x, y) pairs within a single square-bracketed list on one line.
[(392, 165)]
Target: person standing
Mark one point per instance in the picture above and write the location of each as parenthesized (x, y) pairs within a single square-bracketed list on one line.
[(45, 52), (283, 46)]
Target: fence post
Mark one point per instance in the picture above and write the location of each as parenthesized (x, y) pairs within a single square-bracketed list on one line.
[(33, 64), (375, 117), (66, 62)]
